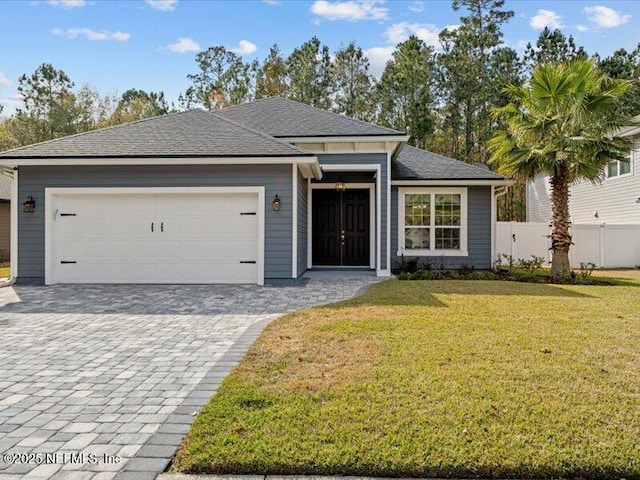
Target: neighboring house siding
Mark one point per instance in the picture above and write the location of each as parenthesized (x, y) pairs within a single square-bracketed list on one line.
[(302, 224), (275, 178), (478, 231), (5, 231), (368, 158), (614, 199)]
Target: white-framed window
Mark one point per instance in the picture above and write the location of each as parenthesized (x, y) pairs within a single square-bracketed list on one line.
[(619, 168), (432, 221)]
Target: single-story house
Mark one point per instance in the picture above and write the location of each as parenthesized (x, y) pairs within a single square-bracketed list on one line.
[(5, 218), (256, 193)]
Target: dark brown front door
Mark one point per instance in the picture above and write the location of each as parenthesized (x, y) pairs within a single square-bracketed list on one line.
[(340, 227)]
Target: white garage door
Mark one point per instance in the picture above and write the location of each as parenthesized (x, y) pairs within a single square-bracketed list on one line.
[(156, 238)]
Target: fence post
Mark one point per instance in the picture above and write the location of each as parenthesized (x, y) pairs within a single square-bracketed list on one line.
[(602, 227)]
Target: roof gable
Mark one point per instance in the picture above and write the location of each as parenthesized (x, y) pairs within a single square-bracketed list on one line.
[(416, 164), (194, 133), (282, 117)]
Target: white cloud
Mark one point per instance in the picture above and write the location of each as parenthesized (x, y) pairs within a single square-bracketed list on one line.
[(399, 32), (605, 17), (582, 28), (546, 18), (164, 5), (350, 10), (4, 81), (67, 3), (522, 45), (245, 47), (378, 58), (92, 35), (184, 45), (416, 7), (273, 2)]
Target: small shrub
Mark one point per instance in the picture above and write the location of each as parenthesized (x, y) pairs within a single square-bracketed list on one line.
[(509, 260), (466, 268), (409, 265), (586, 269), (425, 265), (431, 275), (482, 275), (532, 265)]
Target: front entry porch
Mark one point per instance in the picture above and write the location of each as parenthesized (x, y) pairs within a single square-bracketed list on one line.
[(343, 211), (341, 234)]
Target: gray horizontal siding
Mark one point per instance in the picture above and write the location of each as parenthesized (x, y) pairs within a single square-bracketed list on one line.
[(368, 158), (275, 178), (478, 231)]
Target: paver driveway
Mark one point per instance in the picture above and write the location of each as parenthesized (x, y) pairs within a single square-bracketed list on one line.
[(117, 372)]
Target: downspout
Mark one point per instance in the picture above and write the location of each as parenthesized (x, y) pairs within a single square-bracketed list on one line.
[(11, 173), (495, 193)]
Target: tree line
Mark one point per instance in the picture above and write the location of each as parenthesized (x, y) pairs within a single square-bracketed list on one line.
[(442, 97)]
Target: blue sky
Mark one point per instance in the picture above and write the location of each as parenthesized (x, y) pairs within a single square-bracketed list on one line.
[(114, 45)]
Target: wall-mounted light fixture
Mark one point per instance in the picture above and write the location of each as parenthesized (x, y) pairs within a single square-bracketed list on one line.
[(638, 200), (340, 186), (29, 205), (596, 214), (276, 204)]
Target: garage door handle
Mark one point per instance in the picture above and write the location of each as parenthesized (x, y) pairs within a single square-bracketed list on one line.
[(152, 226), (67, 261), (162, 227), (247, 261)]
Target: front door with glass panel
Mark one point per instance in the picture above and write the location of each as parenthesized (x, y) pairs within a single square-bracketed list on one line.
[(340, 224)]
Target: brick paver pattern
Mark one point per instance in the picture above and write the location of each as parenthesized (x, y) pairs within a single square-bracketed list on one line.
[(120, 370)]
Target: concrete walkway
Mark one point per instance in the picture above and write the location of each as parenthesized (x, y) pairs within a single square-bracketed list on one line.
[(102, 382)]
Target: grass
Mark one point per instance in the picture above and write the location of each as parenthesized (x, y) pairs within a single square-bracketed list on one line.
[(436, 379), (4, 272)]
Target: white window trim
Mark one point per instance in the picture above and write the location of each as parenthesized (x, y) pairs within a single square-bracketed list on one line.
[(624, 175), (463, 252)]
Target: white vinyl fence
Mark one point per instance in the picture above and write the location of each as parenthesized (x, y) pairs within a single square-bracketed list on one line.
[(606, 246)]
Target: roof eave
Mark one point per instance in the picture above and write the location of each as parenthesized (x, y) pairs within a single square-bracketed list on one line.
[(158, 160), (391, 137), (452, 181)]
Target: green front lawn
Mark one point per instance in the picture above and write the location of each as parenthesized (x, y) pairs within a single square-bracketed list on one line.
[(436, 379), (4, 272)]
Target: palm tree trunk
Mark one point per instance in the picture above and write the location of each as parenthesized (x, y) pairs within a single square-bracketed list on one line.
[(560, 234)]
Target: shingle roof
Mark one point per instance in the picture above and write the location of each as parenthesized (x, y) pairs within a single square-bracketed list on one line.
[(194, 133), (5, 188), (416, 164), (281, 117)]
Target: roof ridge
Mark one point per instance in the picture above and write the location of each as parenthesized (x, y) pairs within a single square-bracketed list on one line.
[(258, 132), (277, 97), (102, 129)]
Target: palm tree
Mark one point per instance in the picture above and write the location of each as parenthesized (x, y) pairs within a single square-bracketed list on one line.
[(564, 123)]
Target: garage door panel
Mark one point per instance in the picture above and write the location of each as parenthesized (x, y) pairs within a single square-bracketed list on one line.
[(196, 238)]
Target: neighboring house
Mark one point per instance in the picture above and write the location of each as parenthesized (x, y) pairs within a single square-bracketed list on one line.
[(5, 218), (256, 193), (616, 200)]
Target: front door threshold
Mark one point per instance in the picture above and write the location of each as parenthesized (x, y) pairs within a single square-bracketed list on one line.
[(339, 272)]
